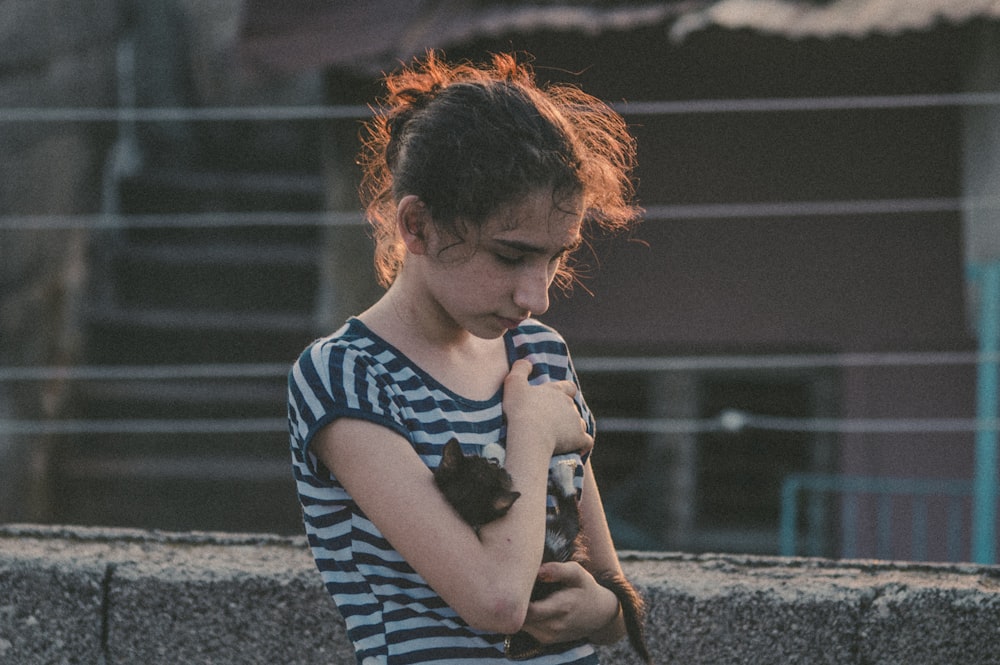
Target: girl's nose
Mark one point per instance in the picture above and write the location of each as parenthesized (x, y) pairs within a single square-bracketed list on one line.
[(532, 291)]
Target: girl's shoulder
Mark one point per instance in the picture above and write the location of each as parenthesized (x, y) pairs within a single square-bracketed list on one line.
[(353, 336), (544, 346), (352, 345), (533, 331)]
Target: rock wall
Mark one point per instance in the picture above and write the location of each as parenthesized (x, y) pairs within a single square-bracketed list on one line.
[(71, 595)]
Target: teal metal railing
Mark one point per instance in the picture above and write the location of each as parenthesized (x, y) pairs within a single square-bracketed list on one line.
[(986, 490), (885, 494)]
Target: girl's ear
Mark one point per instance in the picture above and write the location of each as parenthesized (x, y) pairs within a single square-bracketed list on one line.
[(413, 221)]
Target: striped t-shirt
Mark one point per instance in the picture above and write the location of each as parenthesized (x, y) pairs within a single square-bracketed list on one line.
[(392, 616)]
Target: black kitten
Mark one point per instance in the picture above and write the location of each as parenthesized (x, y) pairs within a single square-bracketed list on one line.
[(479, 488)]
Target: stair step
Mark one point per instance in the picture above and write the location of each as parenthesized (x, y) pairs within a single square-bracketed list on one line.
[(196, 493), (163, 189), (201, 320), (225, 283), (204, 398), (230, 254), (138, 337), (231, 468)]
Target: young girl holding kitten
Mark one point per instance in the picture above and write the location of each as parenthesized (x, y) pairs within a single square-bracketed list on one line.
[(479, 184)]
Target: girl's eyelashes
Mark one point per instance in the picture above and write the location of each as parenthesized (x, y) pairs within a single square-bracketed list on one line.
[(509, 260), (519, 259)]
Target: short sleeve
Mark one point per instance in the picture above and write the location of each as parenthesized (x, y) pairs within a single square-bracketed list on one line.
[(333, 379)]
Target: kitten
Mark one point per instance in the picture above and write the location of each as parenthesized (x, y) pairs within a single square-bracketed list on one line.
[(479, 488)]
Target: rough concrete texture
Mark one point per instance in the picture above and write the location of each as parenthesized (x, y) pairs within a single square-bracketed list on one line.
[(50, 606), (74, 595)]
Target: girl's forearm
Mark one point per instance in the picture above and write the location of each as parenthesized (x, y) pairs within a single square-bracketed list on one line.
[(515, 543)]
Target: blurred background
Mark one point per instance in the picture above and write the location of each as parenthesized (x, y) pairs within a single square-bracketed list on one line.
[(795, 353)]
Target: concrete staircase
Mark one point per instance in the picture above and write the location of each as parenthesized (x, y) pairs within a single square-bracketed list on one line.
[(193, 296)]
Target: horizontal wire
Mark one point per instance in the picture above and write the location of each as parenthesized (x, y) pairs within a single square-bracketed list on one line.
[(733, 422), (792, 104), (355, 112), (597, 364), (818, 208), (789, 361), (144, 426), (182, 114), (319, 218), (666, 212), (145, 372)]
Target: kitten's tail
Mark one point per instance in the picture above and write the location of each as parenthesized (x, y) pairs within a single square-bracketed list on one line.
[(633, 611)]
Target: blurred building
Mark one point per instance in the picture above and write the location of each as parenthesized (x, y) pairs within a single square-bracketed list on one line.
[(802, 297)]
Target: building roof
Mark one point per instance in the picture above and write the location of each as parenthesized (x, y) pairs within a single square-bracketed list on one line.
[(372, 35), (841, 18)]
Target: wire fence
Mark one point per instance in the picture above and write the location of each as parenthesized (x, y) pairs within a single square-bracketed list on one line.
[(730, 420), (804, 210), (727, 421)]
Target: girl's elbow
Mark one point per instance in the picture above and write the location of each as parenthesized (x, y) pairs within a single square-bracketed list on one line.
[(503, 614), (508, 618)]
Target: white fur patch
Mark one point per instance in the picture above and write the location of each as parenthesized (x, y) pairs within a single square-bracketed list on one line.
[(495, 452), (555, 541), (562, 476)]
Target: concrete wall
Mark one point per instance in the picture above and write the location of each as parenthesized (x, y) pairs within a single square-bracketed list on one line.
[(74, 595)]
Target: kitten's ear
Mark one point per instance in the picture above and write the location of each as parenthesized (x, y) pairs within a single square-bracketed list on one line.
[(452, 455), (504, 501)]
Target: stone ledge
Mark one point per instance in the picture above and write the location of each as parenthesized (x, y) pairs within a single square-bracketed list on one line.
[(80, 595)]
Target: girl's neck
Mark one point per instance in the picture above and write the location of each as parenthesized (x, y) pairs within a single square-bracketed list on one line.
[(402, 315), (466, 364)]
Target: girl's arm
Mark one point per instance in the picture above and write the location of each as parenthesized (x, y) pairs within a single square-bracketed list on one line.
[(584, 608), (486, 580)]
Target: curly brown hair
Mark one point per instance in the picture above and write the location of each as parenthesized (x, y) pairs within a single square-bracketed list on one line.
[(469, 139)]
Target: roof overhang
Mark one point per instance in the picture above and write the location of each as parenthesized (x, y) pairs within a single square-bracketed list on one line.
[(372, 35), (842, 18)]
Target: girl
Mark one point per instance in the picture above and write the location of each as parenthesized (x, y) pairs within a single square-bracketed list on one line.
[(479, 185)]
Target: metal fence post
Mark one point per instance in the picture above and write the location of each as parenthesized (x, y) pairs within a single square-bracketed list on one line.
[(985, 491)]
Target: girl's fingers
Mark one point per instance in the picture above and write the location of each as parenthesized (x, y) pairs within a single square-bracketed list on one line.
[(567, 387), (521, 367)]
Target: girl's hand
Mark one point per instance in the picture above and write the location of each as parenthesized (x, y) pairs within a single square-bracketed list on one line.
[(578, 610), (548, 409)]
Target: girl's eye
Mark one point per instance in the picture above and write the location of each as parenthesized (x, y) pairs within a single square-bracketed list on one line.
[(509, 260)]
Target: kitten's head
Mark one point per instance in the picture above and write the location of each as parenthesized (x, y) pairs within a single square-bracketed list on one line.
[(478, 488)]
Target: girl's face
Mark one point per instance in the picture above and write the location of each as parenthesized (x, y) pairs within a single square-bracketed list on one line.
[(494, 278)]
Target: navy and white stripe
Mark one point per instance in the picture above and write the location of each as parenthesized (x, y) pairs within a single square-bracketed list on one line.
[(392, 615)]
